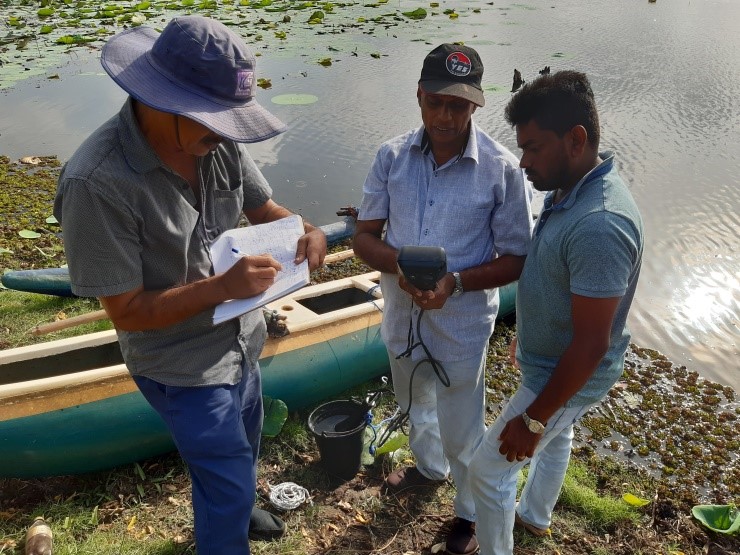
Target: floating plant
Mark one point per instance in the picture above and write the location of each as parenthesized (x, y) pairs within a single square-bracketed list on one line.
[(294, 99)]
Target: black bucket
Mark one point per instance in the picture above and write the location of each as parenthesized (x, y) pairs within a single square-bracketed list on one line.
[(339, 429)]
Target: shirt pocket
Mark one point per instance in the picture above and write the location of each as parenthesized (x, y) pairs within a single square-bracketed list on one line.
[(224, 211)]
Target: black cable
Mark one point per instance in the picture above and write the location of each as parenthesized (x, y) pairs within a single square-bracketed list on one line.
[(397, 422)]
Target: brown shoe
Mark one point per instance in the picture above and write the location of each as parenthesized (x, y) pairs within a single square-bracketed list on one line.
[(531, 528), (461, 540), (407, 478)]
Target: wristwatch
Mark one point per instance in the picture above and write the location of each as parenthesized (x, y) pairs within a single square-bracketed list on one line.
[(458, 290), (534, 426)]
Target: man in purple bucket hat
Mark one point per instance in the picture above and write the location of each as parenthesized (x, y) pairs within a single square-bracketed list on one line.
[(140, 202)]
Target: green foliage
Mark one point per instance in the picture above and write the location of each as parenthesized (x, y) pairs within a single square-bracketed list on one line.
[(418, 13), (580, 494)]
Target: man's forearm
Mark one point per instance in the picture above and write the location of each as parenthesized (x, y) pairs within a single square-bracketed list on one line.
[(147, 310), (375, 252), (575, 368), (497, 273)]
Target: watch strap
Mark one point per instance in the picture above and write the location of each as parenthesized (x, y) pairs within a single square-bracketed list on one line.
[(458, 289)]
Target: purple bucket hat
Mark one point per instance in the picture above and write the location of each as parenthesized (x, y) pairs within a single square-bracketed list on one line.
[(197, 68)]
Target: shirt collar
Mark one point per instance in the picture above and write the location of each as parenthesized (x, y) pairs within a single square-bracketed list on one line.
[(136, 149), (607, 162), (421, 141)]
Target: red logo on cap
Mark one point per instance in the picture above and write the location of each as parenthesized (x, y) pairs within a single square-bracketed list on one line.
[(458, 64)]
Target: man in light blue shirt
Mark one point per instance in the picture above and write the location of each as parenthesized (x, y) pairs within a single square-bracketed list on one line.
[(447, 184), (573, 297)]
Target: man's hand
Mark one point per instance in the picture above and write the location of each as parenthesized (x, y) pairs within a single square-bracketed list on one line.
[(512, 353), (517, 442), (429, 300), (250, 276), (312, 245)]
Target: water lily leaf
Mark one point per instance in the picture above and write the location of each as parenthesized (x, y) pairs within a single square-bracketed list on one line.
[(45, 12), (316, 17), (281, 35), (28, 234), (52, 220), (3, 250), (418, 13), (724, 519), (294, 99), (276, 413), (138, 19), (634, 500), (46, 29), (394, 442), (71, 39)]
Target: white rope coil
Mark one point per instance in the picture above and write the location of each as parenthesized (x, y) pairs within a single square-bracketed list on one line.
[(288, 495)]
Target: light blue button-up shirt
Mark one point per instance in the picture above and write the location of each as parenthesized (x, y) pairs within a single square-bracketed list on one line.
[(476, 206)]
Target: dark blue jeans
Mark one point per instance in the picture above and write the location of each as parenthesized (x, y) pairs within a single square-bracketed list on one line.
[(217, 431)]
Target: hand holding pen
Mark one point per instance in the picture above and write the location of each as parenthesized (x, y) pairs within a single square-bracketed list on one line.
[(250, 275)]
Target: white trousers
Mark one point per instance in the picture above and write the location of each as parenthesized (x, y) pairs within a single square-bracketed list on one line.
[(493, 479), (446, 423)]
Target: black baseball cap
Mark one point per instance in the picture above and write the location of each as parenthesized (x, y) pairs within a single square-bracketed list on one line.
[(455, 70)]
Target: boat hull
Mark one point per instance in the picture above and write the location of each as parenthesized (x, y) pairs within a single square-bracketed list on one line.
[(96, 418), (64, 410)]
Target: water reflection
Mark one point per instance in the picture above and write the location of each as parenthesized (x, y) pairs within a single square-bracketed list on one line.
[(667, 83)]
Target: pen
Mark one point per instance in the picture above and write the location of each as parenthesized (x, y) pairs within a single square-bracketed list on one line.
[(237, 252)]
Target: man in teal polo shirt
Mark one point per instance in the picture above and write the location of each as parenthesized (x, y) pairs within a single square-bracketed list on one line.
[(573, 297)]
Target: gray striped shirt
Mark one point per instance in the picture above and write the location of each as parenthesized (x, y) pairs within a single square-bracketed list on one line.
[(129, 221)]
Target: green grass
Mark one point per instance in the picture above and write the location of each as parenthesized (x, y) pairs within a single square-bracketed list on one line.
[(21, 312)]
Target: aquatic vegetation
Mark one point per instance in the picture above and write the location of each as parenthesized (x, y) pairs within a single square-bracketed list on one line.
[(39, 38), (659, 417), (294, 99), (28, 233)]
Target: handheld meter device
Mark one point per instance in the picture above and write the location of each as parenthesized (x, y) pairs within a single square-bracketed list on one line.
[(423, 267)]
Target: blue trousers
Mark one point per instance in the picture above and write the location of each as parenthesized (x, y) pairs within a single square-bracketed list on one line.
[(217, 431)]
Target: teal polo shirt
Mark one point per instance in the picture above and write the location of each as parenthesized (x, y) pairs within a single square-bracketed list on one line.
[(591, 245)]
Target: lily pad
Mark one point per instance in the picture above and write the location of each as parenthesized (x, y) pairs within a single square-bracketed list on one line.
[(276, 413), (51, 220), (294, 99), (28, 234), (394, 442), (418, 13), (3, 250), (724, 519), (635, 501)]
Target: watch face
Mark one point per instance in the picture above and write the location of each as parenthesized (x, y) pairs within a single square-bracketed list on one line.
[(534, 426)]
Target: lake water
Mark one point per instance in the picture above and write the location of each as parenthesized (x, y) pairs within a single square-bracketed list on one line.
[(667, 80)]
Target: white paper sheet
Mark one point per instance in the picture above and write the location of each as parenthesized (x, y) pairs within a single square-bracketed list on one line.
[(279, 239)]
